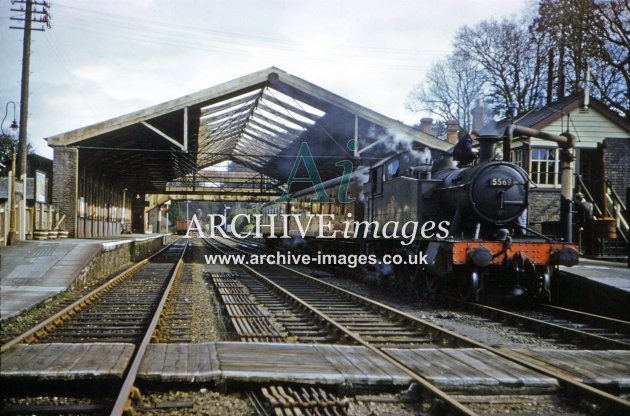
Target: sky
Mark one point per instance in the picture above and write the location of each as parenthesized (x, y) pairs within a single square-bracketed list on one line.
[(106, 58)]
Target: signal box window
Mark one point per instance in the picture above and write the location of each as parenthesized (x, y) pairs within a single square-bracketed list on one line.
[(545, 167), (517, 157)]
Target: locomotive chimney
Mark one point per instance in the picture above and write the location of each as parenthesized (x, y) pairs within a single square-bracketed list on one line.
[(426, 124), (487, 146), (452, 128)]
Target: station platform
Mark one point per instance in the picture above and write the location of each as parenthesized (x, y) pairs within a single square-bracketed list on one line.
[(609, 273), (603, 287), (34, 270)]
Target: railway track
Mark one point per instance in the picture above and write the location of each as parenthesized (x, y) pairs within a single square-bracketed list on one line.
[(313, 313), (561, 325), (291, 297), (127, 310), (339, 319), (336, 329)]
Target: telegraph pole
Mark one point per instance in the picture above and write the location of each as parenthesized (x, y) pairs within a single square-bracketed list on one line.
[(32, 14)]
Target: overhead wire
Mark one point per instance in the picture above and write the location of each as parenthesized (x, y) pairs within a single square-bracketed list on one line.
[(201, 38), (66, 68), (249, 44)]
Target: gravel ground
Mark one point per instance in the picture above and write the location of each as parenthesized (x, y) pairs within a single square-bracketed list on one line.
[(480, 329), (199, 402), (208, 326), (468, 324), (208, 323)]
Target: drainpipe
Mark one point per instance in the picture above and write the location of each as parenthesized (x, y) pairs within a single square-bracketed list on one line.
[(566, 142)]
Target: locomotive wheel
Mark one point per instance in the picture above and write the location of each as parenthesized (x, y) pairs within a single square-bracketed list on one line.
[(540, 284), (545, 275), (468, 286)]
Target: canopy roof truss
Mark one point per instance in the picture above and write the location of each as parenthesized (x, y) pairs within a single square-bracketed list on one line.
[(258, 121)]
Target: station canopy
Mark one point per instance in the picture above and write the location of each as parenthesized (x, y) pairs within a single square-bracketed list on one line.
[(258, 123)]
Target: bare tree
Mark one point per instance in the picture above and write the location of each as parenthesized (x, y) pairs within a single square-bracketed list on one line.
[(512, 61), (568, 25), (587, 34), (510, 57), (449, 91), (610, 66)]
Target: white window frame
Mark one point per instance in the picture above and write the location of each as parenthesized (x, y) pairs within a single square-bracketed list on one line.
[(539, 167), (517, 156)]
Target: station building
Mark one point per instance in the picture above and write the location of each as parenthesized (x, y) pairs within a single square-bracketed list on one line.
[(601, 167)]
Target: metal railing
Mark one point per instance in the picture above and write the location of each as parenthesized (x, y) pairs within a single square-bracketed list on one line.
[(618, 212)]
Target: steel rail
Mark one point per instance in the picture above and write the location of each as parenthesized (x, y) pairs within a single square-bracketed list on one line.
[(540, 323), (604, 321), (49, 324), (123, 401), (615, 404), (425, 384)]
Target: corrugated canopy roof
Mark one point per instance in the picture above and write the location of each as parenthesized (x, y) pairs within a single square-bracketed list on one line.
[(259, 121)]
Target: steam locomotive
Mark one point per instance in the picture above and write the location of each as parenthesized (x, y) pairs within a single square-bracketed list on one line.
[(481, 245)]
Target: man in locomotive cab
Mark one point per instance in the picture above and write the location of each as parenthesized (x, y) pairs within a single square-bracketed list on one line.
[(463, 151)]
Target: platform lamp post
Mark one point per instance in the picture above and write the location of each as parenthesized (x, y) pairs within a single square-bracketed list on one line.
[(12, 235), (168, 207), (122, 211)]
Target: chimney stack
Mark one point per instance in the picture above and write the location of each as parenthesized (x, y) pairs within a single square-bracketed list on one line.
[(426, 124), (477, 116), (452, 129)]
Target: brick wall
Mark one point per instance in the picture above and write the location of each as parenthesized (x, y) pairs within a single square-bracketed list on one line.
[(543, 206), (65, 185), (617, 159), (115, 258)]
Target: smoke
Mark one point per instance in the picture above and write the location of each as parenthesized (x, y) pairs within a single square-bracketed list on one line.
[(489, 129), (396, 142), (426, 156), (361, 174), (392, 141), (386, 270), (377, 275)]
